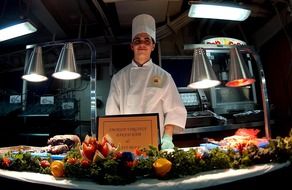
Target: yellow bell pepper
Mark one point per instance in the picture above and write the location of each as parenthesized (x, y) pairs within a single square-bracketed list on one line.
[(57, 168), (162, 166)]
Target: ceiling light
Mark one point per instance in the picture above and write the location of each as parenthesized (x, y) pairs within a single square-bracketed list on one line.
[(218, 11), (202, 75), (16, 31), (239, 74), (66, 66), (34, 69)]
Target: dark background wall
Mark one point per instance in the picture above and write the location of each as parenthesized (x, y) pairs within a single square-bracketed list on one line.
[(276, 60)]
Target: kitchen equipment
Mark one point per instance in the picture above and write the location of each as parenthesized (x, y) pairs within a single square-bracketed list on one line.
[(227, 100), (193, 99), (197, 105)]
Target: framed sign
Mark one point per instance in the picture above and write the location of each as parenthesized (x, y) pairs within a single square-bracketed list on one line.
[(130, 131)]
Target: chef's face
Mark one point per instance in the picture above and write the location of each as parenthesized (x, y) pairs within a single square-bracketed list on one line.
[(142, 45)]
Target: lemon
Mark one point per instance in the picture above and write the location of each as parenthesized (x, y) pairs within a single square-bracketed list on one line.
[(162, 166)]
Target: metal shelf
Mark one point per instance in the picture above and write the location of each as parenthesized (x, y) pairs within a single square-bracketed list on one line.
[(34, 115)]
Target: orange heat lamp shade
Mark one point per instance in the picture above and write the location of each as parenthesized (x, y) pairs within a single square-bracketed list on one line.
[(239, 74), (240, 82)]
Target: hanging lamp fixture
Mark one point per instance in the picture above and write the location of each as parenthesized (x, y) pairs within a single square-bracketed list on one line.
[(239, 74), (200, 9), (34, 68), (66, 65), (202, 75)]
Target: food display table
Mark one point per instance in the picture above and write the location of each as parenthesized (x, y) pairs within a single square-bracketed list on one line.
[(198, 181)]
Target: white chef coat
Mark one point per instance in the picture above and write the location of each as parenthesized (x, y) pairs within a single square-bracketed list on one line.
[(146, 89)]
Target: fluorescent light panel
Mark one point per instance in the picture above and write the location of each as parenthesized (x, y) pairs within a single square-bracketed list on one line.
[(218, 12), (16, 31)]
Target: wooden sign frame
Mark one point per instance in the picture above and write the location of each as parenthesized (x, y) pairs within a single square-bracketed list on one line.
[(130, 131)]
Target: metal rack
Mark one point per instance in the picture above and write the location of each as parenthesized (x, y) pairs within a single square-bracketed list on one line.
[(263, 90), (93, 111)]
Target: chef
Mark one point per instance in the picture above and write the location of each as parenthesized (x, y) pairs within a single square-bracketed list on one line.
[(144, 87)]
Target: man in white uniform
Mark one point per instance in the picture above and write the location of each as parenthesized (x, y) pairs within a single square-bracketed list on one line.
[(144, 87)]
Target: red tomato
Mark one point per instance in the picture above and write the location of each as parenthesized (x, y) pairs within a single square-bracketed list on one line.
[(6, 162), (139, 152), (131, 164), (198, 155), (88, 150), (72, 161), (45, 163), (241, 146), (85, 163)]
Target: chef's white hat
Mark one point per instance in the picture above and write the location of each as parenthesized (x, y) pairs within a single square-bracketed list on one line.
[(144, 23)]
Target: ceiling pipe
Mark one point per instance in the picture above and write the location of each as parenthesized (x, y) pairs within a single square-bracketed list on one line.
[(105, 20), (270, 29), (40, 12), (173, 26)]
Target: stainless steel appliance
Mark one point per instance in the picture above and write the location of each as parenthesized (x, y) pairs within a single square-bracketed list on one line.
[(194, 99), (226, 100), (197, 105), (230, 100)]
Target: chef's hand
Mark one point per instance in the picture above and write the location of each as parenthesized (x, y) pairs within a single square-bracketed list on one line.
[(166, 142)]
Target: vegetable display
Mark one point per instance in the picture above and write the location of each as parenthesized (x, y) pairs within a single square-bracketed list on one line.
[(103, 163)]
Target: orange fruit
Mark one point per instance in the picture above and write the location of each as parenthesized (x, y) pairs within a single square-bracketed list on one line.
[(57, 168), (162, 166)]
